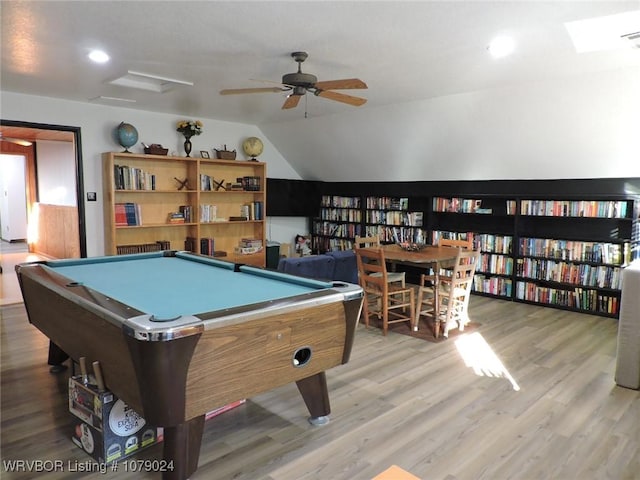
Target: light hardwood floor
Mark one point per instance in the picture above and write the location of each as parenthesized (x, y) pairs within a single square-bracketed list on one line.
[(12, 254), (535, 400)]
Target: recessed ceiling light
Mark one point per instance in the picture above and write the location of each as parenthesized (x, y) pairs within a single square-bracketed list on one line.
[(98, 56), (501, 47)]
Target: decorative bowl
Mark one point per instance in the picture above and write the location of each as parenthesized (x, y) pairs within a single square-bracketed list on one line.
[(411, 246)]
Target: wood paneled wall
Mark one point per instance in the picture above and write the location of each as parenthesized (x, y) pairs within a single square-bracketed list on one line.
[(57, 232)]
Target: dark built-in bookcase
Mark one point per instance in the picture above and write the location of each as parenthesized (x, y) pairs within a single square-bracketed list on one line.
[(558, 243)]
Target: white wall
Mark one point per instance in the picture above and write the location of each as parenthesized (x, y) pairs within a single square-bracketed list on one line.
[(56, 173), (581, 127), (13, 204), (97, 123)]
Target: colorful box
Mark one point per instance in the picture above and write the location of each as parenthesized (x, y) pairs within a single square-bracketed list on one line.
[(106, 427)]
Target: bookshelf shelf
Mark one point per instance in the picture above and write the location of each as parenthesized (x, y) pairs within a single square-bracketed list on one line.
[(153, 188)]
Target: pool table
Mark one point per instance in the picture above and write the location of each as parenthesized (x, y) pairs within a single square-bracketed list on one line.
[(179, 334)]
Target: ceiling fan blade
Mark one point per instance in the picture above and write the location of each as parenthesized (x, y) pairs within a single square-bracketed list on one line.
[(341, 97), (341, 84), (291, 101), (235, 91)]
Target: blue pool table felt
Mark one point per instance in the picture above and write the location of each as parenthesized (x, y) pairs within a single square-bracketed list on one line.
[(168, 287)]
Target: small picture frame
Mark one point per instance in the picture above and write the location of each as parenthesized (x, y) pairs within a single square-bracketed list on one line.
[(204, 154)]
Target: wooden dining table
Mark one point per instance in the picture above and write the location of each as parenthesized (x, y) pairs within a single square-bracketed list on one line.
[(431, 257)]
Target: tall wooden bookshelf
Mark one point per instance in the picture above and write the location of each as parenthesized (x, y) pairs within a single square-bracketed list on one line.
[(216, 207)]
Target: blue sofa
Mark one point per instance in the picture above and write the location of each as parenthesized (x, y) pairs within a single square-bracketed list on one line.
[(339, 265)]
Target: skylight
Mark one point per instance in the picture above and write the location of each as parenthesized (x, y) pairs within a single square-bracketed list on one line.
[(604, 33)]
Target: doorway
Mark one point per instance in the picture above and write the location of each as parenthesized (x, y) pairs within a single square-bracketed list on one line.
[(16, 137)]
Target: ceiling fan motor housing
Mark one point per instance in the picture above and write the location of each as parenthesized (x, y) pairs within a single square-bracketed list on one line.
[(299, 79)]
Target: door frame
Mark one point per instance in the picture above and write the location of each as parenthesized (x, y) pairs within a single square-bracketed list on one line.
[(79, 171)]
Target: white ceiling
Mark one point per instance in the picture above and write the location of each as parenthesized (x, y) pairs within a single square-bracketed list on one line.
[(403, 50)]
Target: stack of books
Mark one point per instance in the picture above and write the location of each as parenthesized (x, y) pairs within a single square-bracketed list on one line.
[(128, 214), (248, 246)]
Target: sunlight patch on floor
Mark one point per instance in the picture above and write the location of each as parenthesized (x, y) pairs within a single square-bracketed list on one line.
[(478, 355)]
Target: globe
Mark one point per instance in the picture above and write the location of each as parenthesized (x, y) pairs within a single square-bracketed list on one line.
[(252, 147), (126, 135)]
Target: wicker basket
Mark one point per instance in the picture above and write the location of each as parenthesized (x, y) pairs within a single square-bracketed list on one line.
[(225, 154), (156, 150)]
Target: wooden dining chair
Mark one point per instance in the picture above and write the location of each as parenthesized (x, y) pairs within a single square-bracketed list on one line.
[(428, 295), (374, 241), (454, 292), (389, 302)]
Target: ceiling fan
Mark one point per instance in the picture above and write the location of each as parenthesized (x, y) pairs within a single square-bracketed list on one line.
[(300, 83)]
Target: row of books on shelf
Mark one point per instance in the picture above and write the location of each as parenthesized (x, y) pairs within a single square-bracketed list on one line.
[(208, 213), (208, 183), (492, 285), (339, 201), (133, 178), (351, 230), (387, 203), (128, 214), (579, 298), (143, 247), (341, 215), (326, 244), (575, 208), (394, 217), (251, 183), (468, 205), (248, 183), (204, 246), (183, 215), (612, 253), (600, 276), (397, 234), (252, 211), (498, 264), (486, 242)]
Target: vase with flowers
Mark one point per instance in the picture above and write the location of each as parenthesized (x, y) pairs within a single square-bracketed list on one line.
[(189, 128)]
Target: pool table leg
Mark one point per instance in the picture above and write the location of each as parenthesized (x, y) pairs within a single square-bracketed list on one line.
[(182, 445), (315, 393), (56, 359)]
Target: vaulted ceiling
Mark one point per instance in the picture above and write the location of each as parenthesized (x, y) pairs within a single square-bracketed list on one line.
[(404, 50)]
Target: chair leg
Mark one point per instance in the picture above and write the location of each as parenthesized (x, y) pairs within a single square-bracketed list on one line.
[(365, 310), (385, 317), (413, 311), (418, 309)]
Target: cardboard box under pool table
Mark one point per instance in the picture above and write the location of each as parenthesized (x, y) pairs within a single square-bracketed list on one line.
[(104, 426)]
